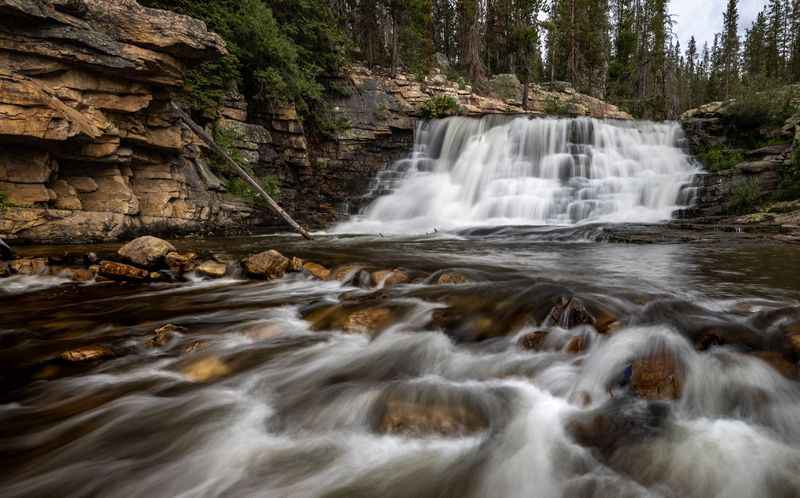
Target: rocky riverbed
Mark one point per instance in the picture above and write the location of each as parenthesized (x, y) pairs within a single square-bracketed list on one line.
[(490, 362)]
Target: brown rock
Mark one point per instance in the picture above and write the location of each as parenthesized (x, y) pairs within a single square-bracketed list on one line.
[(269, 265), (296, 264), (78, 274), (387, 278), (206, 369), (146, 251), (317, 270), (533, 341), (29, 266), (577, 344), (163, 334), (429, 412), (87, 353), (212, 269), (451, 278), (120, 271), (369, 320), (657, 376), (181, 262)]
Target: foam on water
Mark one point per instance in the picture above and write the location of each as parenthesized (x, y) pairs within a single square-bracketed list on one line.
[(468, 172)]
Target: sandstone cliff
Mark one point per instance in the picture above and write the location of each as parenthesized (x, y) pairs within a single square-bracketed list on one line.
[(88, 146)]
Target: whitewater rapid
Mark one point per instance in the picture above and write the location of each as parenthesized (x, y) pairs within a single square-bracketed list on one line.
[(494, 171)]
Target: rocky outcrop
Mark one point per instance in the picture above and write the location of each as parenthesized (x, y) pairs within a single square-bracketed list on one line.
[(91, 149), (735, 158)]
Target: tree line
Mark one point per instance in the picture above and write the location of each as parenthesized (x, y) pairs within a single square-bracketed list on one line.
[(623, 51)]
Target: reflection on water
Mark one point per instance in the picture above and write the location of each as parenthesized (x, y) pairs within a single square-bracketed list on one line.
[(249, 395)]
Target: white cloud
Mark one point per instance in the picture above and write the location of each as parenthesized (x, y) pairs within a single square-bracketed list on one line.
[(703, 18)]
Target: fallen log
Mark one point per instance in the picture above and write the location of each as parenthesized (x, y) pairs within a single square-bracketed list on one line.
[(240, 171)]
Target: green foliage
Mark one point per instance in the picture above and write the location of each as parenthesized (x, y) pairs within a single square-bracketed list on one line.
[(555, 107), (225, 138), (754, 110), (745, 197), (236, 186), (440, 107), (720, 158)]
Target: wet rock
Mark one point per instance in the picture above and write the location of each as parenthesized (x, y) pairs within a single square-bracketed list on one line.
[(296, 264), (164, 334), (619, 422), (577, 344), (387, 278), (779, 363), (6, 253), (87, 353), (316, 270), (657, 376), (533, 341), (78, 274), (206, 369), (29, 266), (367, 317), (450, 278), (195, 346), (369, 320), (146, 251), (432, 410), (570, 312), (5, 271), (121, 271), (354, 275), (181, 262), (268, 265), (212, 269)]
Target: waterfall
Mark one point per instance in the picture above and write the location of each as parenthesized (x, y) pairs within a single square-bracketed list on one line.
[(499, 171)]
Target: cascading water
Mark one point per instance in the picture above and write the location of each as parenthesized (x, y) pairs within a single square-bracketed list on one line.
[(494, 171)]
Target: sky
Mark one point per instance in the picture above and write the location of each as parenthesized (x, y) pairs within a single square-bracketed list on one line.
[(703, 18)]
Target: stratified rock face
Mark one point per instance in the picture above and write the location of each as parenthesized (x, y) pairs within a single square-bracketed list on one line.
[(91, 149)]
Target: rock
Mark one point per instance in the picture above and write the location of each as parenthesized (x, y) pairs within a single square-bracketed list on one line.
[(451, 278), (120, 271), (6, 253), (387, 278), (146, 251), (369, 320), (533, 341), (78, 274), (657, 376), (206, 369), (5, 271), (268, 265), (296, 264), (29, 266), (181, 262), (317, 270), (163, 335), (87, 353), (577, 344), (195, 346), (212, 269), (570, 312)]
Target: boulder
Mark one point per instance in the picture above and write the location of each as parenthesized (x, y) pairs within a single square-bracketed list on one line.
[(657, 376), (147, 251), (123, 272), (212, 269), (533, 341), (29, 266), (206, 369), (451, 278), (296, 264), (779, 362), (268, 265), (163, 335), (316, 270)]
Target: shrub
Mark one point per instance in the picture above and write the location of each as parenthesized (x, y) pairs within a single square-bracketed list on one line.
[(225, 138), (440, 107), (744, 197), (754, 110), (238, 187), (720, 158), (789, 178), (554, 107)]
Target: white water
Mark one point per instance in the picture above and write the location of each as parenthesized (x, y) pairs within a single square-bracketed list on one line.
[(470, 172)]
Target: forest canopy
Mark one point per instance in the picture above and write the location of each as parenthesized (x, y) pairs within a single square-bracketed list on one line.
[(624, 51)]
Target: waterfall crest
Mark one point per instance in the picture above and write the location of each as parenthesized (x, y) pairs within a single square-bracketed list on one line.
[(498, 171)]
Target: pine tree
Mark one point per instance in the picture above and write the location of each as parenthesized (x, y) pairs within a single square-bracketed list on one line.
[(730, 49), (775, 36)]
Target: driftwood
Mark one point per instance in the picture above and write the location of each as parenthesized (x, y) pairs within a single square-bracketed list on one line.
[(241, 171)]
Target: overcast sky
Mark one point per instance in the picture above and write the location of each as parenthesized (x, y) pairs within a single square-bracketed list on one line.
[(703, 18)]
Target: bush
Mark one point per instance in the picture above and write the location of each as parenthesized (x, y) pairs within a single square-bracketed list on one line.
[(720, 158), (745, 197), (440, 107), (789, 178), (554, 107), (754, 110)]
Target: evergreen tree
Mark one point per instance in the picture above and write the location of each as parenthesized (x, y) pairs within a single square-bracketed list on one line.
[(730, 49)]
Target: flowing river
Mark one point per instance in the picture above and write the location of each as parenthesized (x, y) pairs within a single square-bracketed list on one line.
[(514, 361)]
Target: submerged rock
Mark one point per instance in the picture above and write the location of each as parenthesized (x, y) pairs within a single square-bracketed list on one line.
[(779, 362), (366, 318), (146, 251), (212, 269), (163, 335), (387, 278), (181, 262), (268, 265), (657, 376), (87, 353), (29, 266), (206, 369), (533, 341), (121, 271), (450, 278)]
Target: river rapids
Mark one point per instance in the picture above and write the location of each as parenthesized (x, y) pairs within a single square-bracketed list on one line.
[(489, 360)]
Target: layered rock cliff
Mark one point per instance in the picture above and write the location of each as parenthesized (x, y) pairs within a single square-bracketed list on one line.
[(90, 149)]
